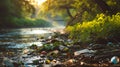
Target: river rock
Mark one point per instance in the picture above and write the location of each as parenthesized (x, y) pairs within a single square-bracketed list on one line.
[(8, 62), (61, 47), (47, 65), (55, 63), (44, 52)]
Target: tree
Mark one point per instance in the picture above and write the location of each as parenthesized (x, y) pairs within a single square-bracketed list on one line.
[(82, 10), (11, 9), (74, 9)]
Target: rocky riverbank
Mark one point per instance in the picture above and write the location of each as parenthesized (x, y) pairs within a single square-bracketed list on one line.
[(60, 51)]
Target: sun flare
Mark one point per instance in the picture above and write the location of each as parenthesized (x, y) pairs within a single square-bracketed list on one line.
[(36, 2), (39, 2)]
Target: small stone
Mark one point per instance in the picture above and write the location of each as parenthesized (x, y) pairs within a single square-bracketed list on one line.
[(43, 52)]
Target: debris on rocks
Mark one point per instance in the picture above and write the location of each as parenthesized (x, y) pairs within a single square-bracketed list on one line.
[(76, 53), (114, 60)]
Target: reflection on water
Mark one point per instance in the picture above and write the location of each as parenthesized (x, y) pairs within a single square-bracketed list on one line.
[(14, 43), (21, 45), (20, 38), (25, 31)]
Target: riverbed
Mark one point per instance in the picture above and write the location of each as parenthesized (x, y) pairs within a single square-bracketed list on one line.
[(15, 41), (24, 37)]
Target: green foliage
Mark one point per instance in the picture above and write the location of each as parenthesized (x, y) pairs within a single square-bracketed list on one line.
[(59, 7), (22, 22), (13, 12), (102, 27), (80, 10)]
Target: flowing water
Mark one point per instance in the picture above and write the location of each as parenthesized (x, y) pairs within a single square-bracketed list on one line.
[(18, 40), (21, 38)]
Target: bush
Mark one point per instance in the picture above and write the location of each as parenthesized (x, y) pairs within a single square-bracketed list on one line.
[(101, 28)]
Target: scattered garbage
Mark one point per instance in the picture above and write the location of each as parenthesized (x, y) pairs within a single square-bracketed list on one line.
[(76, 53), (114, 60), (47, 61), (60, 52)]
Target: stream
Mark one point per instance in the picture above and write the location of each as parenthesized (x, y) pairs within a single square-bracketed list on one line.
[(22, 39)]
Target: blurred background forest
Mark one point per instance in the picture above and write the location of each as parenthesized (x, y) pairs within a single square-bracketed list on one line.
[(17, 14), (90, 20)]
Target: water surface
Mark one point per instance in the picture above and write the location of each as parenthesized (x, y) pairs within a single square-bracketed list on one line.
[(21, 38)]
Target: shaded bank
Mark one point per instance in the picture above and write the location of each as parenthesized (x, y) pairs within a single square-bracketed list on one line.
[(25, 23)]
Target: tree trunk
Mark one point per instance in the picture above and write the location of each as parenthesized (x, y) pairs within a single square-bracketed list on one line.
[(77, 17), (68, 12), (104, 7)]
